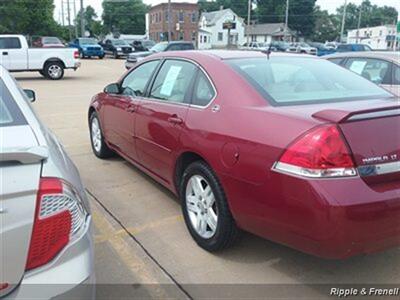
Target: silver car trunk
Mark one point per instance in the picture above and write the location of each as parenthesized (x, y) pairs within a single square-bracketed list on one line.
[(20, 167)]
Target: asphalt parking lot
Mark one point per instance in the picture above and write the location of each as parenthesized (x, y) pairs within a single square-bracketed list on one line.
[(140, 237)]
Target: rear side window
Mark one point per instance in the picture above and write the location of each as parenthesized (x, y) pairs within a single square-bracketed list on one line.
[(10, 43), (10, 114), (289, 80), (375, 70), (203, 91), (173, 81)]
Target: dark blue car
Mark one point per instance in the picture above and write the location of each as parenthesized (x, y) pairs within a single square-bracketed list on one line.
[(88, 47), (352, 48)]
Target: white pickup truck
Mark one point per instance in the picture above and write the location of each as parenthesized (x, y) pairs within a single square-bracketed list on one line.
[(16, 56)]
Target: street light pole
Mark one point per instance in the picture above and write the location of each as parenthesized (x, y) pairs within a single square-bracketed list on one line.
[(358, 25), (82, 20), (69, 20), (169, 20), (286, 19), (343, 21), (248, 22)]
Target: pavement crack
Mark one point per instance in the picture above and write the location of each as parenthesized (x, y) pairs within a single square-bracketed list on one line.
[(140, 244)]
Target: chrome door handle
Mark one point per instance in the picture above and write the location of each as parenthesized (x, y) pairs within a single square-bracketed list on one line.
[(174, 119)]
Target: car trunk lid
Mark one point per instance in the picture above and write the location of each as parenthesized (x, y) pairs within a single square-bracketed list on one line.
[(373, 135), (20, 169)]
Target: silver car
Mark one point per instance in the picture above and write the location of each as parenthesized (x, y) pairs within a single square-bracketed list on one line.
[(46, 248), (380, 67)]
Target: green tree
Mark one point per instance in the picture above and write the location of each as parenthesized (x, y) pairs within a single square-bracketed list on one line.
[(327, 26), (124, 16), (270, 11), (91, 24), (30, 17)]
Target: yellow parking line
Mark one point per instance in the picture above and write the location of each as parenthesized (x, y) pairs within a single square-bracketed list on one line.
[(135, 230), (127, 254)]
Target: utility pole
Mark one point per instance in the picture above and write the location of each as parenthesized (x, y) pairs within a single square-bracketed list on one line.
[(75, 21), (169, 20), (286, 19), (69, 20), (62, 12), (248, 22), (359, 24), (343, 21), (82, 20)]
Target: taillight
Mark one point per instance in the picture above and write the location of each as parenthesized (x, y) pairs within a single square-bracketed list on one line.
[(59, 216), (320, 153), (76, 54)]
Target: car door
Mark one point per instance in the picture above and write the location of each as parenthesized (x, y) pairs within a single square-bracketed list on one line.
[(13, 57), (395, 86), (119, 110), (161, 117)]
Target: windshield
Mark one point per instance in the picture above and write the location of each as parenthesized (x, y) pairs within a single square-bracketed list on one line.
[(88, 41), (294, 80), (119, 43), (51, 40), (160, 47)]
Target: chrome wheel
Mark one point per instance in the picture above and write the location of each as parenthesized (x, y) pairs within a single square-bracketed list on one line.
[(96, 134), (55, 71), (201, 206)]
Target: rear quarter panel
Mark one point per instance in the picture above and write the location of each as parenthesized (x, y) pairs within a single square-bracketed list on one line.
[(38, 57)]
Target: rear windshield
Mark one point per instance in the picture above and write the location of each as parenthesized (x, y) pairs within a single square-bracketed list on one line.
[(296, 80), (10, 115), (51, 40)]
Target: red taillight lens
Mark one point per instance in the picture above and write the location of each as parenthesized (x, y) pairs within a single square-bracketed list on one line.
[(52, 225), (76, 54), (319, 153)]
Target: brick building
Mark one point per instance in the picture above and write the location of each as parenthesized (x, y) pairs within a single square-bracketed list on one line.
[(184, 22)]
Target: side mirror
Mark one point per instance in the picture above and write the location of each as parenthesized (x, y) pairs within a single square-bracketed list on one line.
[(31, 95), (112, 88)]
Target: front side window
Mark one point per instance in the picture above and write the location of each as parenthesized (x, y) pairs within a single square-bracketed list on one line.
[(295, 80), (220, 36), (375, 70), (173, 81), (135, 83), (203, 91), (10, 43)]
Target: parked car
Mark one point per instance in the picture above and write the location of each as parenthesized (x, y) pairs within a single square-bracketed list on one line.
[(302, 48), (88, 47), (133, 58), (331, 45), (322, 49), (47, 42), (142, 45), (280, 45), (44, 213), (16, 56), (255, 46), (382, 68), (289, 147), (117, 48), (352, 48)]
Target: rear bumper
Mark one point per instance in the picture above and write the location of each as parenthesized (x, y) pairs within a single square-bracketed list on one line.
[(70, 273), (334, 218), (93, 53)]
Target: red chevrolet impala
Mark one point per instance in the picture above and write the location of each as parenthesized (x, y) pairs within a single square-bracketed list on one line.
[(292, 148)]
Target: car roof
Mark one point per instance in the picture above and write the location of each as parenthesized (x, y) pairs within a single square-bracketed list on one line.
[(226, 54), (387, 55)]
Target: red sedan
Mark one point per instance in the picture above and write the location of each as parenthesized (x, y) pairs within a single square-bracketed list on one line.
[(289, 147)]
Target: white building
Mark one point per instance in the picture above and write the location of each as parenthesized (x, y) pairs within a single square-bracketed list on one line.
[(266, 33), (212, 22), (378, 38), (204, 39)]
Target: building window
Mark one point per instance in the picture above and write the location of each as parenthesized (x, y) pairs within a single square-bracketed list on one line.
[(180, 16), (380, 33), (166, 16), (193, 35), (201, 39), (205, 39), (220, 36), (180, 36), (194, 17)]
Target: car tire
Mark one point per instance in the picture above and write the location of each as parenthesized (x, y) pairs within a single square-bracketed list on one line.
[(99, 146), (115, 54), (101, 56), (54, 70), (220, 228)]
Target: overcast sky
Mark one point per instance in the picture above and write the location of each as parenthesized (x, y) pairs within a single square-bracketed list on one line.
[(329, 5)]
